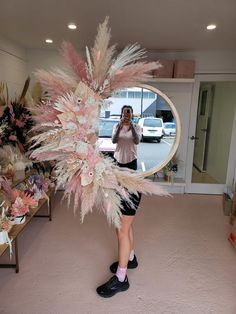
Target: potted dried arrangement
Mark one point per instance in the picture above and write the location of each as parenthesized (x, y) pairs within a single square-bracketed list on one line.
[(20, 206), (170, 169)]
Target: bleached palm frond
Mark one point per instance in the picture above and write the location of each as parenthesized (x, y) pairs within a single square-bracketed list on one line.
[(89, 64), (51, 134), (130, 76), (129, 55)]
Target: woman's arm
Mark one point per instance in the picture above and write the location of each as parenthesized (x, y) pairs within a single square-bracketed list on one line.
[(115, 134), (136, 134)]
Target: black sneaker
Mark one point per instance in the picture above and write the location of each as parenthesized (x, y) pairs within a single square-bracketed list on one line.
[(112, 286), (131, 265)]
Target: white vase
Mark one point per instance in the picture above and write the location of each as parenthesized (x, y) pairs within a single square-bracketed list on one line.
[(3, 237), (19, 220)]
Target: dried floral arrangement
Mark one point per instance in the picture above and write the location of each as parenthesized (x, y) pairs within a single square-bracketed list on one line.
[(68, 124), (18, 202), (12, 160), (16, 122)]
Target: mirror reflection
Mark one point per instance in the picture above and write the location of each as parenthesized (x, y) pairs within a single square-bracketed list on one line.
[(155, 118)]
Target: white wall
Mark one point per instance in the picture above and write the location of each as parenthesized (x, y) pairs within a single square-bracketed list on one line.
[(207, 61), (44, 59), (13, 66)]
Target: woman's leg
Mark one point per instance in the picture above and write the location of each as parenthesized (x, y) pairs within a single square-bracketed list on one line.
[(124, 241), (131, 237)]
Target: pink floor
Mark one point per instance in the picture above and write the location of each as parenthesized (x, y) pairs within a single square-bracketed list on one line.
[(186, 265)]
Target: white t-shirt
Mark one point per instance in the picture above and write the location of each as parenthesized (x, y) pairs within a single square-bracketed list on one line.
[(126, 149)]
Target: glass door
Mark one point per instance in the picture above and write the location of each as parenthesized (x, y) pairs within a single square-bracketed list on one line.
[(211, 143)]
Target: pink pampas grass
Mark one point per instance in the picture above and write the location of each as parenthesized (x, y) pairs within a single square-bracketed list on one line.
[(76, 63)]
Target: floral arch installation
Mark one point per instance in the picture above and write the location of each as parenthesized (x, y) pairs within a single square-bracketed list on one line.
[(68, 121)]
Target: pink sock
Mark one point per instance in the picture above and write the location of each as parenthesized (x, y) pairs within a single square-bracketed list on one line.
[(121, 273), (131, 257)]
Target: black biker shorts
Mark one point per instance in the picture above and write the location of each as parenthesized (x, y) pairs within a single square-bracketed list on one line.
[(126, 209)]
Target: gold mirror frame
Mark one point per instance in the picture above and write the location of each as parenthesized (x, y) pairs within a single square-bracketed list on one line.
[(178, 131)]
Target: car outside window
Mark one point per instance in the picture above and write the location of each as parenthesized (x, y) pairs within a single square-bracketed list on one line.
[(169, 126), (152, 123)]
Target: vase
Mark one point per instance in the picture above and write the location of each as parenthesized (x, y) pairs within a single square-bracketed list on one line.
[(169, 176), (3, 237), (19, 220)]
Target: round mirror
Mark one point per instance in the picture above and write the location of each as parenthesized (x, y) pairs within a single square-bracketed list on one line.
[(158, 119)]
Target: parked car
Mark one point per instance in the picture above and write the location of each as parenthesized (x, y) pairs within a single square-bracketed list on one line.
[(105, 133), (169, 128), (152, 128)]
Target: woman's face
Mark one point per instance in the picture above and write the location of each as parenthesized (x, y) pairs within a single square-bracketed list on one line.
[(127, 114)]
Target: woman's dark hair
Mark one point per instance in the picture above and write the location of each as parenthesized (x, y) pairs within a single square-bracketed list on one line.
[(126, 107)]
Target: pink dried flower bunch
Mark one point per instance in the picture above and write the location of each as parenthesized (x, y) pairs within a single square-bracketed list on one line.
[(5, 224), (21, 204)]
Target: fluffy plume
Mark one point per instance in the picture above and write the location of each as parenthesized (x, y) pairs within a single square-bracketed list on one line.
[(135, 182), (102, 53), (55, 83), (76, 63)]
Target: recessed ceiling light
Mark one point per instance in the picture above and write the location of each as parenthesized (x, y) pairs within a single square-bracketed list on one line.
[(211, 26), (72, 26), (49, 41)]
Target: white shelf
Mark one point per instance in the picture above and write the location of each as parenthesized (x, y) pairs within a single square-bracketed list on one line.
[(170, 80)]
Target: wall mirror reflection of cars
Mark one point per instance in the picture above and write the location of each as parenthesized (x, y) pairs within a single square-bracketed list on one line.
[(152, 113)]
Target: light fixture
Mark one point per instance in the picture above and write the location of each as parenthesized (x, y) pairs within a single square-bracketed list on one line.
[(211, 27), (72, 26), (49, 41)]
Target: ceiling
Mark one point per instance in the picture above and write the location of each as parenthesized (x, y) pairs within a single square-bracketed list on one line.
[(155, 24)]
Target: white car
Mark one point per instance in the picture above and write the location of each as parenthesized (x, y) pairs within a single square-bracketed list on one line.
[(169, 128), (105, 133), (152, 128)]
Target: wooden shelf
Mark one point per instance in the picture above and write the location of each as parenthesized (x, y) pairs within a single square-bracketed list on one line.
[(170, 80)]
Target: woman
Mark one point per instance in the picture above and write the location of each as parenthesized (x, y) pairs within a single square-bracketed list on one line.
[(126, 135)]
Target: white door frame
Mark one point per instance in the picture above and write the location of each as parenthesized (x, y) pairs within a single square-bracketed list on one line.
[(204, 188)]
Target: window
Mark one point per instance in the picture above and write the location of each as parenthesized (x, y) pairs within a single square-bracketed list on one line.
[(131, 94), (152, 95), (120, 94)]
